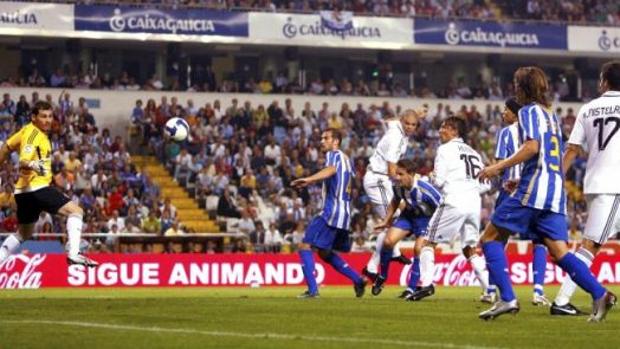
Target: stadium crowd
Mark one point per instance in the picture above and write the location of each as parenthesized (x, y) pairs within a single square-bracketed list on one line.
[(572, 11)]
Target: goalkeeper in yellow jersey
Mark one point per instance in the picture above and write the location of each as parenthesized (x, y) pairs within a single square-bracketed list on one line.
[(33, 192)]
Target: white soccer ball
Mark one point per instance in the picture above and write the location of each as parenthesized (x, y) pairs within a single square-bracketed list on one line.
[(177, 129)]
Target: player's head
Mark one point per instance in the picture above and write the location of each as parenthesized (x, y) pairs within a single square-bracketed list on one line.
[(405, 172), (330, 139), (511, 111), (610, 77), (42, 114), (409, 121), (451, 128), (531, 86)]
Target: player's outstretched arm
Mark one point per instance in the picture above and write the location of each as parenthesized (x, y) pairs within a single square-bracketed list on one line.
[(528, 150), (572, 150), (317, 177)]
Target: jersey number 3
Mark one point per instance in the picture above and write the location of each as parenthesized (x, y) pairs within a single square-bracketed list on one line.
[(472, 165)]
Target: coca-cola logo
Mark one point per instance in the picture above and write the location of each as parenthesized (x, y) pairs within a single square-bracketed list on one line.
[(20, 271), (454, 273)]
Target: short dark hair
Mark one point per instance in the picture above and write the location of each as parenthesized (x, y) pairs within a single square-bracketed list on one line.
[(458, 124), (408, 164), (513, 106), (40, 105), (335, 134), (610, 72)]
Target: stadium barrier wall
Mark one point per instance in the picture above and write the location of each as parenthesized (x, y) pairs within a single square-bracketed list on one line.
[(181, 270)]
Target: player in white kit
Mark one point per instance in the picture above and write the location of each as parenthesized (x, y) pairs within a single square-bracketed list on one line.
[(456, 168), (380, 172), (596, 128)]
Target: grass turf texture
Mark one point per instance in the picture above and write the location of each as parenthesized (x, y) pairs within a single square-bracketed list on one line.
[(274, 318)]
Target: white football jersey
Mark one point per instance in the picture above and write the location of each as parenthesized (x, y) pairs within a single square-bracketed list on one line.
[(456, 167), (391, 147), (596, 130)]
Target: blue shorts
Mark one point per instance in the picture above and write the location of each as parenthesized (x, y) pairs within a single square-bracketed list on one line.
[(414, 225), (516, 218), (529, 234), (503, 195), (320, 235)]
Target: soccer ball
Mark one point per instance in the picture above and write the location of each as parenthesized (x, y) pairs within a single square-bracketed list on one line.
[(177, 129)]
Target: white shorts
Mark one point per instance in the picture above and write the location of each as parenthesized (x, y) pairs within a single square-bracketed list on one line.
[(448, 221), (378, 187), (603, 218)]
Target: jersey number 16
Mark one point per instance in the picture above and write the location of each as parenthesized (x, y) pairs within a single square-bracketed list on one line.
[(472, 165)]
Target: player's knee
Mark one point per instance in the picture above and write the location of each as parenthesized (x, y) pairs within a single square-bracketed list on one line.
[(557, 249), (304, 246), (25, 232), (591, 246), (490, 234), (77, 210), (71, 209), (389, 242)]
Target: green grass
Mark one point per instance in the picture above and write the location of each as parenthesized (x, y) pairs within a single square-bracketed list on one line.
[(252, 318)]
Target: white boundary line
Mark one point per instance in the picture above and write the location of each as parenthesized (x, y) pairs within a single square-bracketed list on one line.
[(266, 336)]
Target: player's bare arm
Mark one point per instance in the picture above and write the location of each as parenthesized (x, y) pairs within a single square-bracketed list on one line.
[(572, 151), (317, 177), (526, 152), (387, 222)]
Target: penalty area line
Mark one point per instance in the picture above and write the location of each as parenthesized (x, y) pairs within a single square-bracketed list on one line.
[(267, 335)]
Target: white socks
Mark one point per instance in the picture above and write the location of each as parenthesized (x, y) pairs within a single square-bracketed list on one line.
[(74, 230), (568, 286), (9, 246), (375, 259), (373, 264), (479, 266), (427, 266)]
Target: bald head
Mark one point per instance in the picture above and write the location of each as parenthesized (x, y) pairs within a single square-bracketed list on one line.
[(409, 121)]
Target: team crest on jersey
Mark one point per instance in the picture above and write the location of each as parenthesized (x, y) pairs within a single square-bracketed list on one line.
[(28, 148)]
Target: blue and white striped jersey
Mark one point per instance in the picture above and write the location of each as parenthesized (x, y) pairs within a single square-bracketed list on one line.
[(422, 199), (508, 144), (542, 185), (337, 191)]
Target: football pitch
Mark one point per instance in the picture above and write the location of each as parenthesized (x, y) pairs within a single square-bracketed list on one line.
[(274, 318)]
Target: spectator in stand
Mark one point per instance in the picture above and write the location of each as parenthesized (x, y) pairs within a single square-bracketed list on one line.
[(174, 229), (246, 224), (226, 206), (150, 224)]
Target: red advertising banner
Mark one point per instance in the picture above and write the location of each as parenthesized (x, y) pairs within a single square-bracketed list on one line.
[(170, 270)]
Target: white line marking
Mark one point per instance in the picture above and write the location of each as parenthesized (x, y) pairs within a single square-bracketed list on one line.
[(291, 337)]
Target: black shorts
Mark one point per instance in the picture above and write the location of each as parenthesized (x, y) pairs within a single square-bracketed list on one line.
[(31, 204)]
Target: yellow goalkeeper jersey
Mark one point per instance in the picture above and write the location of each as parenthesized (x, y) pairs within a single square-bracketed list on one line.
[(32, 144)]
